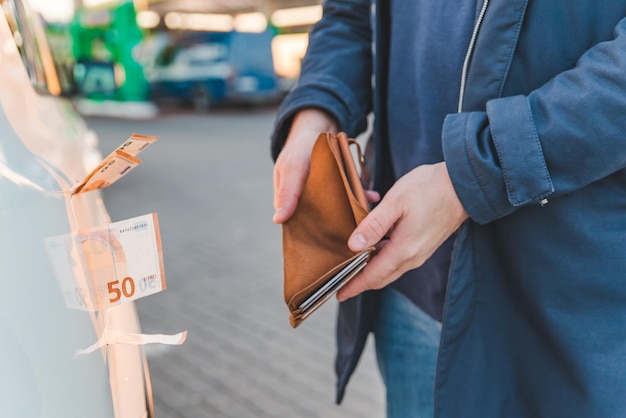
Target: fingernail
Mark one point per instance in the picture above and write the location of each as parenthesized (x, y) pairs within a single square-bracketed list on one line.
[(357, 242), (278, 214)]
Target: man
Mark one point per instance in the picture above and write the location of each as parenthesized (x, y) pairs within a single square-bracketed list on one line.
[(335, 93), (535, 158)]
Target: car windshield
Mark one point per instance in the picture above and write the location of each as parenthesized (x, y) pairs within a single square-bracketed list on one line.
[(204, 54), (194, 55)]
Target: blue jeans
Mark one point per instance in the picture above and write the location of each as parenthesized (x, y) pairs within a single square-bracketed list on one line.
[(407, 340)]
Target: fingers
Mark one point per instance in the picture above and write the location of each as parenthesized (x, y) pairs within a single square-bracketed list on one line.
[(372, 196), (288, 184), (292, 165), (374, 227), (386, 265), (382, 269), (290, 174)]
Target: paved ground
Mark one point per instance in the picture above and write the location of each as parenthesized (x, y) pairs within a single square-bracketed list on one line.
[(209, 177)]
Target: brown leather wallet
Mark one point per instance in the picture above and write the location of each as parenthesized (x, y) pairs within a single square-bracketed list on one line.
[(317, 260)]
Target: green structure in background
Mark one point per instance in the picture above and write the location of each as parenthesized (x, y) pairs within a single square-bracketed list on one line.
[(103, 41)]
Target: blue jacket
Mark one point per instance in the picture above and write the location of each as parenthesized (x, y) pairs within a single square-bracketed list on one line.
[(536, 302)]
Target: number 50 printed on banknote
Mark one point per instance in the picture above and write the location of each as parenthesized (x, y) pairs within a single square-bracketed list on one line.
[(99, 268)]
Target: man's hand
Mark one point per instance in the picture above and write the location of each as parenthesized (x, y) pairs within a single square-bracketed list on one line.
[(293, 162), (418, 213)]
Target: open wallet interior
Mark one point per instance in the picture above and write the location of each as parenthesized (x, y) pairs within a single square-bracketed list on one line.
[(317, 260)]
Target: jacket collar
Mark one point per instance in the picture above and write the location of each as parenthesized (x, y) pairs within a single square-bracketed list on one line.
[(493, 51)]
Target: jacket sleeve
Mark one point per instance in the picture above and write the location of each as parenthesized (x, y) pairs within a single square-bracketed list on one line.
[(336, 71), (559, 138)]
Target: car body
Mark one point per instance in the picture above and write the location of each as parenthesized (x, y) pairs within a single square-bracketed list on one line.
[(46, 148), (208, 68)]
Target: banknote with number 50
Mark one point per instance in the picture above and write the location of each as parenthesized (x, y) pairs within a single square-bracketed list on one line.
[(99, 268)]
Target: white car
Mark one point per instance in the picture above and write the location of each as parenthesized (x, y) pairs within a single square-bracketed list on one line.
[(46, 148)]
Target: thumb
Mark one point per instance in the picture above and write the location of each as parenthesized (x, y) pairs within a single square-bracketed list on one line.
[(373, 227)]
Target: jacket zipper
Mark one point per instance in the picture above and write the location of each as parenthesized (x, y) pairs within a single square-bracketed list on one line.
[(468, 54)]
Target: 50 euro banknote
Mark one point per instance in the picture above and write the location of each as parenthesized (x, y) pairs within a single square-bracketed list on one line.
[(99, 268), (116, 165)]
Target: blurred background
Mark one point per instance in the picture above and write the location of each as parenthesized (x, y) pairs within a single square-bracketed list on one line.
[(206, 77), (199, 53)]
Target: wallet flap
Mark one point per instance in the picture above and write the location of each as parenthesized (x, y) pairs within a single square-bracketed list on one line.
[(355, 184)]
